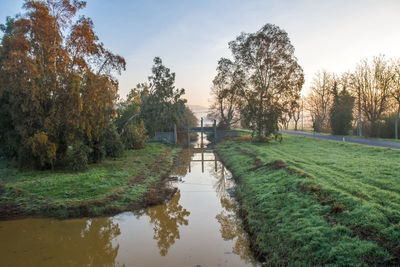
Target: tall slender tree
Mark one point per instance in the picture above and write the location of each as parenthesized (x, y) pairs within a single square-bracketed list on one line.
[(341, 112)]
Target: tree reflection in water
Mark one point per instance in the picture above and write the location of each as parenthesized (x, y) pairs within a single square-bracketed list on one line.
[(97, 242), (231, 229), (231, 226), (76, 242), (182, 164), (166, 220)]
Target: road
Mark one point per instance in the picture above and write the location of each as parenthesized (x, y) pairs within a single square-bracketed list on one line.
[(358, 140)]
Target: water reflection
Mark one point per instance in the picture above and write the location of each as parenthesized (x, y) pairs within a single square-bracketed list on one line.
[(166, 220), (131, 239), (231, 226), (231, 229), (182, 164), (77, 242), (222, 177)]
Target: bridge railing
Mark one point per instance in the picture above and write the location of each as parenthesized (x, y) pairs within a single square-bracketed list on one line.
[(214, 135)]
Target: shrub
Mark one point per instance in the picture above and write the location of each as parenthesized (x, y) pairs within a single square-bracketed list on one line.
[(38, 152), (383, 128), (134, 136), (77, 157), (261, 139), (112, 143), (244, 138), (388, 130)]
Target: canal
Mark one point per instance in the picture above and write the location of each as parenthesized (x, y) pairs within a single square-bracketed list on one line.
[(199, 226)]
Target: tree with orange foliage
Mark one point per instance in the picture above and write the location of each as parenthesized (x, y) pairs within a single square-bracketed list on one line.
[(56, 79)]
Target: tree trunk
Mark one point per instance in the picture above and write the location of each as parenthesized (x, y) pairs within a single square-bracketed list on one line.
[(396, 124)]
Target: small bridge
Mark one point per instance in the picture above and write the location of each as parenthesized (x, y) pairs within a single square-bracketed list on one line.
[(172, 137), (199, 129)]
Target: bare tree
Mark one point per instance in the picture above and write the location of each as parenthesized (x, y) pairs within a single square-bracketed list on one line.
[(371, 83), (319, 99), (396, 92)]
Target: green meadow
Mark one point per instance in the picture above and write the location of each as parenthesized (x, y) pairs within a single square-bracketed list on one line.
[(108, 187), (315, 202)]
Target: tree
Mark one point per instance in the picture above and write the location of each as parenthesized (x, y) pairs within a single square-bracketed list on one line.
[(319, 100), (56, 79), (227, 84), (295, 112), (291, 109), (341, 113), (372, 83), (129, 123), (162, 104), (186, 118), (396, 92), (267, 58)]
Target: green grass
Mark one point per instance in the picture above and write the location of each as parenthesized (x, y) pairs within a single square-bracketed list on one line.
[(108, 187), (365, 137), (333, 204)]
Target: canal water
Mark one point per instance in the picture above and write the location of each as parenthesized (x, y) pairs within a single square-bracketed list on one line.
[(197, 227)]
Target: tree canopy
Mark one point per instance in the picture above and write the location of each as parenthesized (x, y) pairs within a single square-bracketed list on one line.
[(57, 80), (265, 76), (226, 91), (162, 103)]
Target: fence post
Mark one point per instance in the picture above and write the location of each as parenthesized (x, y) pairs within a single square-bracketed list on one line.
[(202, 161), (215, 131), (202, 132), (175, 135), (395, 128)]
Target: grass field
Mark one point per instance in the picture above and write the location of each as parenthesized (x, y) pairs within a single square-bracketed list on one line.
[(108, 187), (315, 202)]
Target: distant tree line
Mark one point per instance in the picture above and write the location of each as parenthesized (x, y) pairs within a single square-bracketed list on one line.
[(366, 100), (260, 89), (260, 85), (59, 96)]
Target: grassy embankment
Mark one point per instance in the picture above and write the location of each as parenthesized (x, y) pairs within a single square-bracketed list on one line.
[(356, 136), (316, 202), (109, 187)]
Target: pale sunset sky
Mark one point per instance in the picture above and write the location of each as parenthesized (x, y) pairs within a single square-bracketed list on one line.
[(190, 36)]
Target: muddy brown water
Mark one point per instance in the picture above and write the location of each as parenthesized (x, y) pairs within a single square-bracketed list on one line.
[(199, 226)]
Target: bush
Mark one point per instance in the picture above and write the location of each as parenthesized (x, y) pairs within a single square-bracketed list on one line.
[(387, 130), (38, 152), (112, 143), (383, 128), (77, 157), (134, 136), (261, 139)]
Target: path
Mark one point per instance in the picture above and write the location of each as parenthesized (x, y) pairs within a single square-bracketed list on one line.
[(358, 140)]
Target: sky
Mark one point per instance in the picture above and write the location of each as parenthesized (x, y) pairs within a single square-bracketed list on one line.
[(190, 36)]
